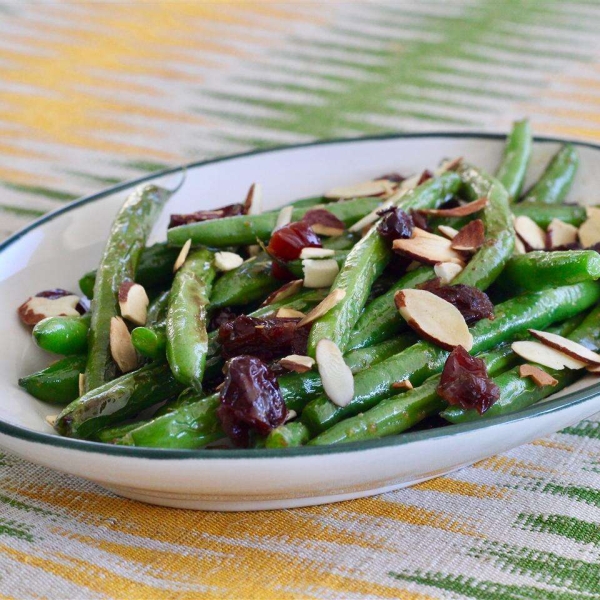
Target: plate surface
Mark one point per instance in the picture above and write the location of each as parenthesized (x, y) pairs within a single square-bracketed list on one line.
[(56, 250)]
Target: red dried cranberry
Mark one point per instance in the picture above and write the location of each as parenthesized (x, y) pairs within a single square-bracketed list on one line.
[(251, 400), (395, 224), (465, 382), (280, 272), (82, 306), (232, 210), (395, 177), (472, 303), (264, 338), (221, 316), (420, 220), (571, 246), (287, 242), (595, 247)]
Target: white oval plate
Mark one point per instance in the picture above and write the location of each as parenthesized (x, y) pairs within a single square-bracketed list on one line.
[(56, 250)]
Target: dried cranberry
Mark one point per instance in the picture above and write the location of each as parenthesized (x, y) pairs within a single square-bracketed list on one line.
[(420, 220), (250, 400), (595, 247), (571, 246), (280, 272), (232, 210), (472, 303), (221, 316), (395, 177), (264, 338), (287, 242), (395, 224), (465, 382), (82, 306)]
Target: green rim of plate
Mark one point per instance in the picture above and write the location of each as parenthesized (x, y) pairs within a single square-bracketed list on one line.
[(544, 408)]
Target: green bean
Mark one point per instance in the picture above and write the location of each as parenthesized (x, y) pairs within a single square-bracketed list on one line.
[(556, 181), (246, 229), (517, 152), (112, 435), (365, 263), (345, 241), (58, 383), (187, 339), (543, 214), (119, 263), (540, 270), (517, 393), (155, 269), (195, 422), (483, 269), (537, 310), (63, 335), (117, 400), (149, 342), (288, 436), (157, 311), (380, 319)]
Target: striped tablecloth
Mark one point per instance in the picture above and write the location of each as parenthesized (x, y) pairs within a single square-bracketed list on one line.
[(94, 93)]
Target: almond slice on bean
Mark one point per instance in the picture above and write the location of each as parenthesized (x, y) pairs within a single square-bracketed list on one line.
[(434, 319), (81, 383), (371, 217), (183, 254), (37, 308), (51, 420), (316, 253), (336, 376), (297, 363), (289, 313), (589, 231), (254, 200), (447, 271), (447, 231), (592, 211), (561, 234), (519, 246), (121, 348), (283, 218), (227, 261), (539, 377), (545, 356), (470, 238), (324, 306), (448, 165), (285, 291), (375, 187), (133, 302), (323, 222), (428, 248), (405, 384), (530, 232), (319, 273), (567, 346), (459, 211)]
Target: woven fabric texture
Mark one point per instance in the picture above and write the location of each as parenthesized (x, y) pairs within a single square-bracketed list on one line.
[(92, 93)]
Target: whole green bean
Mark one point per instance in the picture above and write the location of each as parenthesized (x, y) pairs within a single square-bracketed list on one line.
[(125, 244), (365, 263), (556, 181), (112, 435), (117, 400), (543, 214), (517, 152), (488, 262), (63, 335), (534, 310), (540, 270), (187, 338), (58, 383), (288, 436), (246, 229)]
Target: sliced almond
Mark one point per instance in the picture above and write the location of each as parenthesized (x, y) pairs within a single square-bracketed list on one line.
[(291, 415), (470, 238), (428, 248), (316, 253), (324, 306), (567, 346), (284, 217), (448, 165), (545, 356), (285, 291), (121, 348), (324, 222), (253, 250), (289, 313), (519, 246), (336, 376), (81, 382), (434, 318), (297, 363), (375, 187), (227, 261), (405, 384), (326, 230), (369, 219), (51, 420), (540, 378), (37, 308), (183, 254), (319, 273), (592, 211), (594, 369), (561, 234), (589, 232), (530, 232), (447, 271), (448, 231), (133, 302), (254, 200), (460, 211)]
